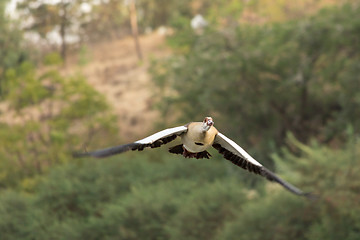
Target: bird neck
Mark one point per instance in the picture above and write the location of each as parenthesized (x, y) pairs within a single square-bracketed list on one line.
[(205, 128)]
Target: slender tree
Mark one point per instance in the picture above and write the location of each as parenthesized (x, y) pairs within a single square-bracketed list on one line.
[(134, 28), (11, 52), (45, 17)]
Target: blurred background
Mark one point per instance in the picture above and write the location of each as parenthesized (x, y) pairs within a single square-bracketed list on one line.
[(280, 77)]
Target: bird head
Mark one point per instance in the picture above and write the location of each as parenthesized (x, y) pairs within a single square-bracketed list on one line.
[(207, 123)]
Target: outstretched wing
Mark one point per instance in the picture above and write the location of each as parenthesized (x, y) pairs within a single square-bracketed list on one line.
[(153, 141), (233, 152)]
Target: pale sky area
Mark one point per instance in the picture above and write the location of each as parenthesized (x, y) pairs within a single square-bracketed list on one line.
[(53, 36), (11, 6)]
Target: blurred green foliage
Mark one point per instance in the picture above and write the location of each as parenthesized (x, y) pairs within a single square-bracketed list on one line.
[(259, 82), (11, 51), (132, 197), (335, 215), (47, 116), (288, 88)]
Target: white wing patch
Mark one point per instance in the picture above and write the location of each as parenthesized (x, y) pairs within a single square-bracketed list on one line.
[(162, 134), (230, 145)]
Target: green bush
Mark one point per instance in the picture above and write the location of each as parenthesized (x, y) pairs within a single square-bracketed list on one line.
[(332, 175), (51, 116), (19, 219), (76, 190), (144, 213), (260, 82), (11, 50), (131, 197), (203, 213), (276, 217)]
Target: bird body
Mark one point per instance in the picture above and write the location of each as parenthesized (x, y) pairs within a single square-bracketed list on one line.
[(196, 138)]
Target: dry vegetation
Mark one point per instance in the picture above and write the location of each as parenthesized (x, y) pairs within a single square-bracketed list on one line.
[(115, 71)]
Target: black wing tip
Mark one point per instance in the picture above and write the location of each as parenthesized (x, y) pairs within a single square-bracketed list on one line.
[(311, 196), (261, 170), (87, 154), (273, 177), (107, 152), (307, 195)]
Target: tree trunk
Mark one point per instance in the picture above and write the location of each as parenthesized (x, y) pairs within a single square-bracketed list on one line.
[(134, 28), (63, 50)]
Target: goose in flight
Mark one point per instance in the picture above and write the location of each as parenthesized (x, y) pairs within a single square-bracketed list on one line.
[(196, 138)]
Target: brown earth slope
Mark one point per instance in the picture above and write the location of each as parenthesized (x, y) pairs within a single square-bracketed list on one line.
[(115, 71)]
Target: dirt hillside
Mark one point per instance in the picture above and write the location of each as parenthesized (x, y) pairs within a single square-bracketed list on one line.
[(115, 71)]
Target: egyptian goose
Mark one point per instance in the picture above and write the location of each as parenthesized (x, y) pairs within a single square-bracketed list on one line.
[(196, 138)]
